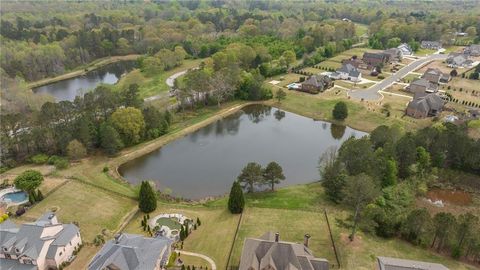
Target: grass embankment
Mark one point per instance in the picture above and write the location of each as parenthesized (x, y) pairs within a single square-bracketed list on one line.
[(84, 69)]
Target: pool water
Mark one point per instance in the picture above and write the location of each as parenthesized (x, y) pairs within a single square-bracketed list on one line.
[(15, 197)]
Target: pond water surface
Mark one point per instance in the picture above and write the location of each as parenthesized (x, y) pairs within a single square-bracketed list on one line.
[(206, 162), (78, 86)]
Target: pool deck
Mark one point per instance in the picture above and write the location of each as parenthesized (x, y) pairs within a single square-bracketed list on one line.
[(6, 191)]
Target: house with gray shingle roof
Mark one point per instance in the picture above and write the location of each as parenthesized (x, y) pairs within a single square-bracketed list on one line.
[(435, 75), (43, 244), (432, 45), (425, 105), (386, 263), (472, 50), (347, 72), (132, 252), (458, 60), (375, 59), (405, 48), (422, 85), (268, 252)]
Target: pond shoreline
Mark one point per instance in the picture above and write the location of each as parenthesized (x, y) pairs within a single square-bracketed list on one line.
[(80, 72), (148, 147)]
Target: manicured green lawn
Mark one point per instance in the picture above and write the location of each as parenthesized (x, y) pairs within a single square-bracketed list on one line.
[(93, 208)]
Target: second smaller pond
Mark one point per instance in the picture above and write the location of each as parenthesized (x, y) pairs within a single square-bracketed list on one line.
[(456, 197), (78, 86)]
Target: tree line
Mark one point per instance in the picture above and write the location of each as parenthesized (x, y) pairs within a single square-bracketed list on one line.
[(379, 176), (102, 119)]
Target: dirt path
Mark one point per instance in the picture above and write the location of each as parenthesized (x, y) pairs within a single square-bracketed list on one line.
[(206, 258), (92, 66)]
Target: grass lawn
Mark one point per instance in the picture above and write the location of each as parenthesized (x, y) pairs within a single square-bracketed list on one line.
[(329, 64), (364, 116), (424, 52), (194, 261), (292, 226), (84, 257), (155, 84), (410, 77), (361, 29), (93, 208), (213, 238)]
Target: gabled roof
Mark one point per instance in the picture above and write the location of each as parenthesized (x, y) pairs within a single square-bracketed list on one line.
[(387, 263), (369, 55), (317, 80), (426, 103), (349, 69), (130, 252), (258, 253)]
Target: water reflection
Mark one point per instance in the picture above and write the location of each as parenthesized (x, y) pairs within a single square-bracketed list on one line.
[(205, 162), (78, 86), (337, 131)]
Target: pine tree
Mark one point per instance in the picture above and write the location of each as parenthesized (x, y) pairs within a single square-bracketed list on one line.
[(236, 201), (147, 199), (39, 195)]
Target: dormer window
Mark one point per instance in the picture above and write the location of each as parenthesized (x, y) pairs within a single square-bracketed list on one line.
[(17, 250), (5, 249)]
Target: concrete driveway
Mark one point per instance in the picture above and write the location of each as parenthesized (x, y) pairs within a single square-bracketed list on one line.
[(372, 92)]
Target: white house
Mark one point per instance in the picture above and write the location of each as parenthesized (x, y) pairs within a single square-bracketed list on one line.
[(41, 245), (405, 48), (347, 72)]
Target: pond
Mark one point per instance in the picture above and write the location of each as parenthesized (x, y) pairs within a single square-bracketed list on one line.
[(78, 86), (456, 197), (206, 162)]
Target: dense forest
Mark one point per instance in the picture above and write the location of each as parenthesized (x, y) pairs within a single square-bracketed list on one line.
[(379, 177)]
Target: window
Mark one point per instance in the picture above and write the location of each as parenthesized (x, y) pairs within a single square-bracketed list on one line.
[(60, 254), (27, 261)]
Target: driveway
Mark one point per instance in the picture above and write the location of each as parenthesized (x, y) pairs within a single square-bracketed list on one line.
[(372, 92), (170, 82)]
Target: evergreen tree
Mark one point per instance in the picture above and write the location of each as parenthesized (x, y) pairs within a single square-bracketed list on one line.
[(236, 201), (147, 199), (390, 177), (340, 111), (110, 139), (273, 174), (39, 195), (198, 221)]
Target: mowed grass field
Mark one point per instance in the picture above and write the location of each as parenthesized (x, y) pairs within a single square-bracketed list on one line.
[(93, 208), (213, 238), (154, 84)]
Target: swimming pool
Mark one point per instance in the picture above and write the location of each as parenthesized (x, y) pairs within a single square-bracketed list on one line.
[(15, 197)]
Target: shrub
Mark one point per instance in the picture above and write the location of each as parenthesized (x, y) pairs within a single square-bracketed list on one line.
[(381, 77), (105, 169), (52, 159), (76, 150), (39, 159), (61, 163)]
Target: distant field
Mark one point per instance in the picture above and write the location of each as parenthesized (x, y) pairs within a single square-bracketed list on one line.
[(361, 29)]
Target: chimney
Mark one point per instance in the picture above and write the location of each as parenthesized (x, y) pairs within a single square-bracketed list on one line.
[(117, 237), (277, 236), (305, 239)]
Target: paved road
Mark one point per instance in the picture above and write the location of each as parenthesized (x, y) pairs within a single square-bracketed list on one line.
[(372, 92), (208, 259)]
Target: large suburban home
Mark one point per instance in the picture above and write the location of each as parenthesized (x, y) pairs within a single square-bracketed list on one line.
[(347, 72), (405, 48), (132, 252), (41, 245), (472, 50), (394, 54), (269, 253), (316, 83), (425, 105), (375, 59), (422, 85), (386, 263), (356, 62), (435, 75), (455, 60), (432, 45)]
